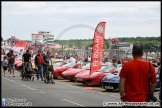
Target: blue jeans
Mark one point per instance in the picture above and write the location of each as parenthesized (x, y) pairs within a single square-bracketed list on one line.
[(11, 67), (40, 72)]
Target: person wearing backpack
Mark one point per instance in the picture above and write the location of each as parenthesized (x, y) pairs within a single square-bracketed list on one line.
[(39, 65)]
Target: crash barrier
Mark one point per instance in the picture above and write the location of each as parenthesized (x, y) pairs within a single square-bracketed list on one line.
[(87, 52)]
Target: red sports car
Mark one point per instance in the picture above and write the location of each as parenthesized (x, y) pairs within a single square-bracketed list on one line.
[(17, 62), (69, 74), (58, 70), (95, 77), (19, 65)]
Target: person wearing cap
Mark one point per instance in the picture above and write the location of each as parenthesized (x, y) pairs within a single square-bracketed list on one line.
[(39, 64)]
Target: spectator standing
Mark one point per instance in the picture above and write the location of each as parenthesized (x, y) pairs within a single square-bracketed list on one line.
[(72, 59), (89, 58), (159, 62), (11, 60), (26, 58), (8, 59), (134, 78), (4, 65), (118, 62), (39, 64), (154, 64), (46, 62)]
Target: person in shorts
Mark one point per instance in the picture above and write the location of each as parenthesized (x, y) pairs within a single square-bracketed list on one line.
[(11, 60), (4, 64)]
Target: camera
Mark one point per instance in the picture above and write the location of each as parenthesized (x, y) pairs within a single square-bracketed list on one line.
[(151, 97)]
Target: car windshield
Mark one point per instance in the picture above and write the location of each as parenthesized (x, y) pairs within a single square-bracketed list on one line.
[(69, 65), (119, 65), (58, 63), (87, 66), (19, 58), (106, 69)]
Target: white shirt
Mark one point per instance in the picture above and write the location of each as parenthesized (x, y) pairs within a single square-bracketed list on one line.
[(72, 60), (4, 62), (89, 59)]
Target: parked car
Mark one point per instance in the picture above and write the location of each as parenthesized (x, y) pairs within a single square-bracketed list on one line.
[(95, 77), (18, 60), (69, 74), (58, 70), (111, 81)]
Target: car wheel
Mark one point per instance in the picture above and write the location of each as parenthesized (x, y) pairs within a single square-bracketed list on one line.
[(84, 83), (72, 81), (109, 90), (55, 77)]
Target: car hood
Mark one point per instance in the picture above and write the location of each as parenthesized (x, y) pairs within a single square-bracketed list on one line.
[(57, 68), (18, 61), (111, 78), (83, 74), (72, 70)]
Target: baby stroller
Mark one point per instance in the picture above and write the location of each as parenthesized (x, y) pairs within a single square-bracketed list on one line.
[(49, 75), (27, 72)]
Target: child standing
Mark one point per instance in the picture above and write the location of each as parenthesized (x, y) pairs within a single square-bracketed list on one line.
[(4, 64)]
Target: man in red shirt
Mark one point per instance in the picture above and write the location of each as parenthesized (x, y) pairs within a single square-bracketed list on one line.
[(39, 64), (134, 78)]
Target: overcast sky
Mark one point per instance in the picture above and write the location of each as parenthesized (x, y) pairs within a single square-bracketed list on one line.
[(123, 19)]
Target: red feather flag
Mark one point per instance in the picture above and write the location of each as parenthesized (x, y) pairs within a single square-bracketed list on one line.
[(97, 48)]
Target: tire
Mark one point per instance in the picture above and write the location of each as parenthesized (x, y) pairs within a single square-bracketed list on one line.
[(109, 90), (84, 84), (55, 78), (72, 80)]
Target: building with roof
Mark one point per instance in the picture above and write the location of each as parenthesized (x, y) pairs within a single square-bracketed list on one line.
[(43, 38)]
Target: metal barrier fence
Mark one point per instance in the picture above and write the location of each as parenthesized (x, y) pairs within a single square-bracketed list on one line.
[(86, 53)]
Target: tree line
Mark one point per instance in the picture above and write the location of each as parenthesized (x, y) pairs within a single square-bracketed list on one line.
[(149, 43)]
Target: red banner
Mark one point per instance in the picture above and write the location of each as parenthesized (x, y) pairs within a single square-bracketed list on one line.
[(114, 40), (97, 48)]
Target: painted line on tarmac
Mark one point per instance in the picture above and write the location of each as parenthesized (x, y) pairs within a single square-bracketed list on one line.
[(32, 88), (89, 90), (29, 87), (73, 102), (8, 79), (67, 84), (41, 91)]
